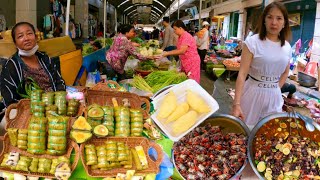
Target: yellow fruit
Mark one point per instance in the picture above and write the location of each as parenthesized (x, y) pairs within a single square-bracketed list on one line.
[(178, 112), (184, 123), (197, 103), (168, 105), (261, 166), (286, 151)]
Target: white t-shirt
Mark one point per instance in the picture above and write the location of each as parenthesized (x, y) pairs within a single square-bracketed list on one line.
[(262, 95)]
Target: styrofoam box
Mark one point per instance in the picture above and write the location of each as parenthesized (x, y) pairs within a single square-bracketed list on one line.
[(180, 91)]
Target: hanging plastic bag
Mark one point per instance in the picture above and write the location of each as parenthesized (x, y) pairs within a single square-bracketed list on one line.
[(93, 78)]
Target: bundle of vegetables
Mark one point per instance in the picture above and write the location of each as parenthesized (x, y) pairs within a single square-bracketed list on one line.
[(108, 41), (57, 131), (136, 122), (140, 83), (137, 40), (61, 102), (147, 65), (37, 135), (108, 119), (22, 139), (25, 88), (122, 116), (87, 49), (158, 80)]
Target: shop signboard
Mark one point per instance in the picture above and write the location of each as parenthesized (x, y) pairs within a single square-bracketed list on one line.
[(294, 19)]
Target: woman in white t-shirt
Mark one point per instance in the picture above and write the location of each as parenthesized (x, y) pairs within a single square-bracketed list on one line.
[(265, 60)]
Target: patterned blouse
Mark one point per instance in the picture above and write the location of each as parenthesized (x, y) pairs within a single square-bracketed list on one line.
[(119, 52), (40, 76), (190, 60)]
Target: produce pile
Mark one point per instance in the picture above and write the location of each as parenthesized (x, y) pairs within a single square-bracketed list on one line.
[(206, 153), (60, 166), (88, 48), (158, 80), (36, 140), (112, 154), (107, 121), (147, 65), (52, 103), (284, 149), (181, 117), (231, 63)]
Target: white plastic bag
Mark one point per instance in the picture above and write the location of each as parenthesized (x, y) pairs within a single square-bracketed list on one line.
[(131, 64)]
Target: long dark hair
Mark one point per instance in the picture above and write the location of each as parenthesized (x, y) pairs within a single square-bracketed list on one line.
[(285, 33), (180, 24), (13, 32), (123, 29)]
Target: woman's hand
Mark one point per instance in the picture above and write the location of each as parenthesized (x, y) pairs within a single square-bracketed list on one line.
[(135, 44), (160, 56), (237, 111)]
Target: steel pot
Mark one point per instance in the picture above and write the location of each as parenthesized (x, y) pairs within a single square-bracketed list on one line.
[(307, 83), (229, 124), (305, 77), (256, 129)]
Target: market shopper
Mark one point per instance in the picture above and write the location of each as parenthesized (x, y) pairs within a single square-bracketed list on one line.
[(187, 51), (265, 59), (28, 62), (120, 50), (203, 42), (169, 36)]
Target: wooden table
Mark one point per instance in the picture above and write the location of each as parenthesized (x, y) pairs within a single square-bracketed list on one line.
[(232, 71)]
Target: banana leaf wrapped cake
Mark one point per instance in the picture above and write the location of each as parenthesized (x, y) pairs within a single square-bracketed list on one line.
[(22, 139), (108, 119), (136, 126), (57, 135), (37, 135), (122, 116)]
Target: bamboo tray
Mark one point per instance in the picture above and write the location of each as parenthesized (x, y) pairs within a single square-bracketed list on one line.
[(106, 86), (104, 98), (7, 148), (131, 142), (21, 120)]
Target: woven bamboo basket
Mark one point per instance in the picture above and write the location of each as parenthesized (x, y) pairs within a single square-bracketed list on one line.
[(131, 142), (104, 98), (7, 148), (105, 86), (21, 120)]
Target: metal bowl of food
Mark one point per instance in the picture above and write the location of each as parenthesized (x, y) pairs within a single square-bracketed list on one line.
[(305, 77), (281, 147), (307, 83), (216, 149)]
